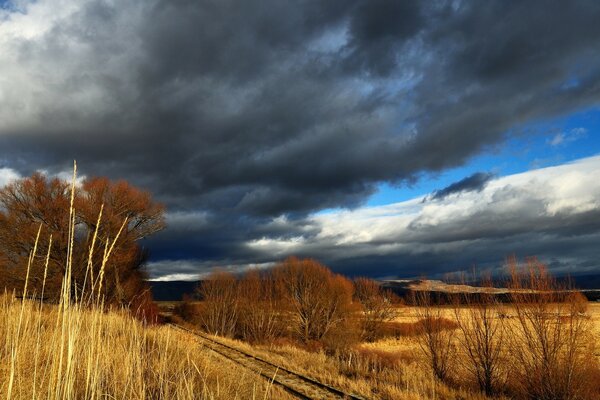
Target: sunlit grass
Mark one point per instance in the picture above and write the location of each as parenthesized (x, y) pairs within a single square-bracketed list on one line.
[(82, 349)]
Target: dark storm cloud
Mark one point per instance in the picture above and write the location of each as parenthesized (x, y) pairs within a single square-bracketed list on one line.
[(474, 182), (245, 111)]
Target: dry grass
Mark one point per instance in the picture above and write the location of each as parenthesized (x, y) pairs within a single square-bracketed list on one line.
[(391, 368), (382, 370), (91, 354), (78, 349)]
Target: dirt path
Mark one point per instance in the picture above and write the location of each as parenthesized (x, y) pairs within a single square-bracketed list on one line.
[(298, 385)]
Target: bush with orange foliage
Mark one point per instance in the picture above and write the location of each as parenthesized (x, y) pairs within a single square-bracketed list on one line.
[(220, 312), (126, 212), (259, 307), (144, 308), (316, 297)]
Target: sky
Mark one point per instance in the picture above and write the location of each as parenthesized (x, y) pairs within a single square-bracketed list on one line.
[(389, 139)]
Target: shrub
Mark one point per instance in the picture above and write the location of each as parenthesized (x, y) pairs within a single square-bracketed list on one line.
[(552, 345), (316, 297), (259, 307), (481, 338), (377, 307), (219, 314), (435, 335)]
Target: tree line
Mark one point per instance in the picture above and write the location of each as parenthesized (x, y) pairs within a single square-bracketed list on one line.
[(298, 297)]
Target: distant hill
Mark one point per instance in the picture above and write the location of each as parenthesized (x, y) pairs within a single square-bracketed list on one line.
[(587, 281), (172, 290), (589, 285)]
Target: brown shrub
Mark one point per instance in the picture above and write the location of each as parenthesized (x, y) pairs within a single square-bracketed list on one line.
[(259, 307), (189, 310), (318, 298), (144, 308), (481, 338), (552, 346), (435, 337), (219, 314), (378, 307), (342, 337)]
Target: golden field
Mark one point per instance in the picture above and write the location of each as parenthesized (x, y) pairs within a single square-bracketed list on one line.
[(49, 352), (390, 368), (65, 353)]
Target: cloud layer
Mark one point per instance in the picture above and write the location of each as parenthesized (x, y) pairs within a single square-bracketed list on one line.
[(237, 114), (552, 212)]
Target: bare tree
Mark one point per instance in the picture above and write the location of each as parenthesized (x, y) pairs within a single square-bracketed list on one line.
[(259, 311), (219, 314), (26, 203), (551, 341), (377, 306), (434, 334), (482, 334), (318, 298)]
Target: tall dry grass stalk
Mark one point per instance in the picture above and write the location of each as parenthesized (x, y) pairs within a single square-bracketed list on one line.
[(78, 349)]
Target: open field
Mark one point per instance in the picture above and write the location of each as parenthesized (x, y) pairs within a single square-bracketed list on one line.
[(49, 353), (389, 368)]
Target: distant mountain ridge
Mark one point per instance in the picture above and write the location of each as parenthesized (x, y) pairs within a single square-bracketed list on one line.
[(174, 290)]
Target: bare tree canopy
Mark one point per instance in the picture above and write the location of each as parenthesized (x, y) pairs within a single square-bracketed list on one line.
[(28, 203)]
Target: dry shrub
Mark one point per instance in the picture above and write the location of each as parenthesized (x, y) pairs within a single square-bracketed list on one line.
[(317, 298), (435, 335), (378, 307), (578, 302), (143, 308), (219, 314), (259, 307), (342, 337), (551, 343), (189, 310), (481, 338)]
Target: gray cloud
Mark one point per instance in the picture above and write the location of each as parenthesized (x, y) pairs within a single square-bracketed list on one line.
[(243, 112), (477, 181)]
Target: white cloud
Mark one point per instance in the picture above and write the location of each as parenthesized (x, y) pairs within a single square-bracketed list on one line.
[(562, 138), (541, 200), (192, 270), (7, 175)]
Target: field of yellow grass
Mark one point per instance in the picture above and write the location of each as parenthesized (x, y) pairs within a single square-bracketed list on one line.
[(72, 353), (391, 368), (61, 353)]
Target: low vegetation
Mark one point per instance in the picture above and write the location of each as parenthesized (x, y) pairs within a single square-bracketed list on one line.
[(54, 352), (537, 342)]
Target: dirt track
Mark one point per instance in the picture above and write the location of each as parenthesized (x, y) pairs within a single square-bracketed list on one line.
[(298, 385)]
